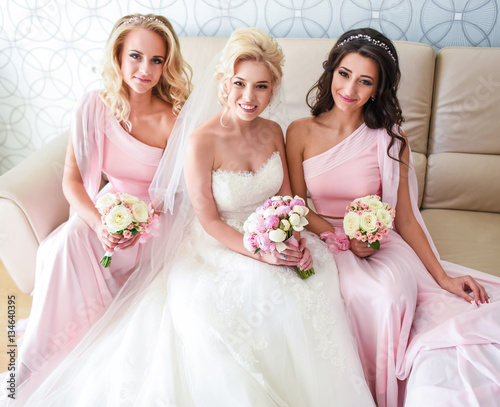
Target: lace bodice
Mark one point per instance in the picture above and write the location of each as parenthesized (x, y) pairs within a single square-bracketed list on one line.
[(238, 194)]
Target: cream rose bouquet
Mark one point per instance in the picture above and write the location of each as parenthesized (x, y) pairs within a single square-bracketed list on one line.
[(126, 215), (368, 219), (273, 224)]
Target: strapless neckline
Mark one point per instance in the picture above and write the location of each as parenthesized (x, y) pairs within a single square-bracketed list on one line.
[(245, 173)]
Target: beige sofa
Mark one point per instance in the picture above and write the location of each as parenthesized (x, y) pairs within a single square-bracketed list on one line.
[(452, 107)]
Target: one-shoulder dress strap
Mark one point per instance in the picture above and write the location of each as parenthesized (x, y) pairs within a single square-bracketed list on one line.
[(360, 139)]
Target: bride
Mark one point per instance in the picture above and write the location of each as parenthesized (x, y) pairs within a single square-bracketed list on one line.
[(228, 327)]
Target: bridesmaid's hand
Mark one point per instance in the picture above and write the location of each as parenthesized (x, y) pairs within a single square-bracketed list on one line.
[(462, 286), (125, 243), (361, 249), (108, 240)]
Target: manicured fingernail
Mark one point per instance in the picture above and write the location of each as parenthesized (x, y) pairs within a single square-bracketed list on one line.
[(472, 302)]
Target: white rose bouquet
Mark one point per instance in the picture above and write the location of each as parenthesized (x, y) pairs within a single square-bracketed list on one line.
[(126, 215), (368, 219), (273, 223)]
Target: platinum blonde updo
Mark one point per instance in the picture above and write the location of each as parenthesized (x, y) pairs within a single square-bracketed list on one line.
[(249, 44)]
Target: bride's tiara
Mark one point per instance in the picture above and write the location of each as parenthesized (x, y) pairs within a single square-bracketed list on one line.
[(369, 39), (134, 19)]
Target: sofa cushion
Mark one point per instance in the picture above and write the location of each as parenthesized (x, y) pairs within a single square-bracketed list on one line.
[(463, 181), (464, 147), (466, 101), (465, 237)]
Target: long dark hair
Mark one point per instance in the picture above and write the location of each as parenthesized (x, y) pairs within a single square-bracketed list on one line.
[(383, 112)]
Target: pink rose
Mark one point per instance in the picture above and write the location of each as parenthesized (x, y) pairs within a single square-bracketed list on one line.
[(263, 241), (249, 242), (379, 236), (294, 202), (127, 234), (259, 224), (130, 227), (278, 203), (272, 222), (283, 211), (267, 204), (358, 235)]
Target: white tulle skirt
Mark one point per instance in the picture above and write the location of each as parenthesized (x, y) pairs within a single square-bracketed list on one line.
[(222, 330)]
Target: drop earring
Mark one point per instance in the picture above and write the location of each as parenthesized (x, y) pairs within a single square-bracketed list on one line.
[(373, 98)]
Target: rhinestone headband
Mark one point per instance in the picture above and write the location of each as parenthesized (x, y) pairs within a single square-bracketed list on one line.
[(369, 39), (132, 20)]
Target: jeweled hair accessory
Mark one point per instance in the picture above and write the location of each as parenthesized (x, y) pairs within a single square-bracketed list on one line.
[(132, 20), (369, 39)]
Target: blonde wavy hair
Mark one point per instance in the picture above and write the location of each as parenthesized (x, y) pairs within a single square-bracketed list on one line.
[(249, 44), (174, 85)]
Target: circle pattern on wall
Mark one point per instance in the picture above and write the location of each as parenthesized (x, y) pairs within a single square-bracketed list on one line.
[(51, 50)]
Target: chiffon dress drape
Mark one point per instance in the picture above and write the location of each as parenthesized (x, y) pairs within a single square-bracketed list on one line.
[(404, 323), (71, 288)]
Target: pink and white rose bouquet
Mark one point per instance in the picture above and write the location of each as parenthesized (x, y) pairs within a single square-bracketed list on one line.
[(272, 225), (126, 215), (369, 219)]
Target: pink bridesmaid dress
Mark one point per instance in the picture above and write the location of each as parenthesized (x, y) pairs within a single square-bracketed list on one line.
[(392, 300), (72, 289)]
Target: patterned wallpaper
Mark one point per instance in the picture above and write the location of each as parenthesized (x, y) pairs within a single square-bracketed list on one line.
[(51, 50)]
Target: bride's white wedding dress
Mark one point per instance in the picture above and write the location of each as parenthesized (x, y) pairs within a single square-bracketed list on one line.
[(224, 329)]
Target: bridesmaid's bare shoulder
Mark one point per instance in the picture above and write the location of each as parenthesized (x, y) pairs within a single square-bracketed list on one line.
[(302, 130)]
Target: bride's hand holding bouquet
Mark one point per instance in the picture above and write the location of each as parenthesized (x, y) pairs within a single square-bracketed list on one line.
[(269, 230)]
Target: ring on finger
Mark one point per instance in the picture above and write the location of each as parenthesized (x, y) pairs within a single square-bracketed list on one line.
[(284, 256)]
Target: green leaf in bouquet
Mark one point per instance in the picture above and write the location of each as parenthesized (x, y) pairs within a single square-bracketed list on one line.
[(305, 273), (375, 245)]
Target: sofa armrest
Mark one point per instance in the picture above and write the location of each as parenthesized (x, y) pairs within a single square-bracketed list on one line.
[(32, 205)]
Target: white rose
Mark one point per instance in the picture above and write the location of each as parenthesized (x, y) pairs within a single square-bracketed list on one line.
[(385, 217), (276, 198), (118, 219), (128, 199), (277, 235), (364, 199), (294, 219), (368, 222), (300, 227), (285, 224), (269, 211), (297, 222), (105, 201), (351, 223), (140, 212), (374, 204), (301, 210), (287, 198)]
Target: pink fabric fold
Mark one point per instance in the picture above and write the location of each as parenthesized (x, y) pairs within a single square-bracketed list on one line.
[(397, 309)]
